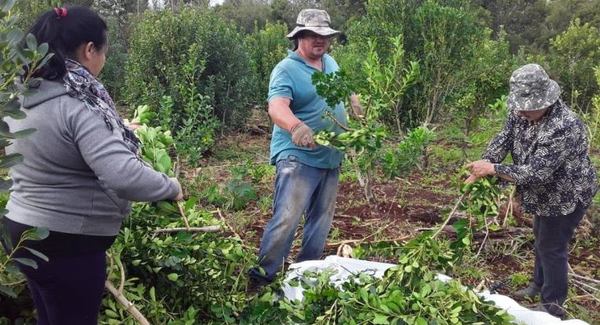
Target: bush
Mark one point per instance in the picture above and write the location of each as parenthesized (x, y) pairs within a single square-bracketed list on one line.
[(113, 74), (447, 40), (266, 48), (16, 51), (573, 55), (198, 60)]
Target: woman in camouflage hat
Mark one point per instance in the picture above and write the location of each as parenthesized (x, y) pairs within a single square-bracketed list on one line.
[(552, 171)]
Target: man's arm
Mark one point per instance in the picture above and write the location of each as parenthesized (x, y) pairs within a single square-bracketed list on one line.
[(281, 113)]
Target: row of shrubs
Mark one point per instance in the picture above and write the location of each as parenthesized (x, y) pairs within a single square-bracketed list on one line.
[(214, 74)]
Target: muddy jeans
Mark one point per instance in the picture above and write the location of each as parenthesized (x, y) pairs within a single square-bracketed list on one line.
[(299, 190), (552, 236)]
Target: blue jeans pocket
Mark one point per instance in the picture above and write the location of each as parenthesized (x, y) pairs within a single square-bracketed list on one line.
[(290, 161)]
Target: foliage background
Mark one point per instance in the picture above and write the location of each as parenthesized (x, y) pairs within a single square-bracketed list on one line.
[(202, 70)]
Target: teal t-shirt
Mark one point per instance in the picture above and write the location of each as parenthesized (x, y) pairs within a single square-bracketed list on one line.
[(291, 78)]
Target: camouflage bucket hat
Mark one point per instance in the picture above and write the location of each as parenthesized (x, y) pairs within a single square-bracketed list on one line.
[(314, 20), (531, 89)]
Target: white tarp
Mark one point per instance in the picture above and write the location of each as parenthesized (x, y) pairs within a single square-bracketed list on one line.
[(347, 266)]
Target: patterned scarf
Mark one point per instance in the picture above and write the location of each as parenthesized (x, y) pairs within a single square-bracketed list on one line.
[(81, 84)]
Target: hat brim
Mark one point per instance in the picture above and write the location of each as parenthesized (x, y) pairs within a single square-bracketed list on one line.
[(323, 31), (536, 102)]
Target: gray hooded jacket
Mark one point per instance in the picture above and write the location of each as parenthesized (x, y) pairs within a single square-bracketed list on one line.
[(78, 175)]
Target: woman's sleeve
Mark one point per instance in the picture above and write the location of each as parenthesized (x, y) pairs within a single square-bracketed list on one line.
[(551, 152), (114, 164), (502, 143)]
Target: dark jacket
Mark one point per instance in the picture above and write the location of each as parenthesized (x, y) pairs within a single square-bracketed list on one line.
[(551, 165)]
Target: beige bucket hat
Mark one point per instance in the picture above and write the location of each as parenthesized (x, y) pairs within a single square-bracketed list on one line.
[(314, 20)]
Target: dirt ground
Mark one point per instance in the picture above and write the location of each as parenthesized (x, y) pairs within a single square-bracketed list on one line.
[(407, 206)]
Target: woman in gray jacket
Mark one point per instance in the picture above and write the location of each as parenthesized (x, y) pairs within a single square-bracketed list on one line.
[(80, 170)]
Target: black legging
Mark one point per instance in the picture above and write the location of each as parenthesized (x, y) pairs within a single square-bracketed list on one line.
[(552, 236), (68, 288)]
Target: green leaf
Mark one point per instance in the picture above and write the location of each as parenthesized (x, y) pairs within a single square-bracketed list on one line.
[(26, 261), (12, 105), (173, 276), (167, 207), (380, 319), (43, 50), (37, 253), (7, 291), (8, 5), (10, 160), (14, 36), (5, 185), (37, 233), (31, 42), (163, 163), (111, 313), (19, 134), (420, 321)]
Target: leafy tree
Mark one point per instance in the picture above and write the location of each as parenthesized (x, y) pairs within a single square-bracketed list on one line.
[(266, 48), (29, 10), (17, 52), (573, 55), (450, 36), (198, 60), (522, 20), (562, 13), (592, 118), (444, 37), (113, 74), (247, 14)]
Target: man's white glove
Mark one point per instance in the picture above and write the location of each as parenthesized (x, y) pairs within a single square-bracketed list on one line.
[(302, 135)]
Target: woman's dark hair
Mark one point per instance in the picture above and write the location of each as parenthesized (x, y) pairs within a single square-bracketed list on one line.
[(64, 31)]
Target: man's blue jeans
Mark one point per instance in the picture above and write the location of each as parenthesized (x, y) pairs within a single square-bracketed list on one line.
[(299, 190)]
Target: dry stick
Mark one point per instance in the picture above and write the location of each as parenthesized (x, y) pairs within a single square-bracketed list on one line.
[(585, 285), (582, 287), (189, 229), (129, 306), (182, 212), (180, 203), (349, 241), (118, 294), (572, 273), (330, 115), (487, 233), (228, 225), (480, 286), (509, 208), (583, 277), (449, 215), (352, 241), (122, 271)]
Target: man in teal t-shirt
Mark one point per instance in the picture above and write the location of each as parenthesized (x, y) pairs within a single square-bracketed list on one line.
[(307, 173)]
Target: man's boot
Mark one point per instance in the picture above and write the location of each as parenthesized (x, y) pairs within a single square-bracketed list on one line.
[(531, 291)]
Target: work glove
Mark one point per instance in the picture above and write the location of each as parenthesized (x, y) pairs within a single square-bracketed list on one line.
[(302, 135)]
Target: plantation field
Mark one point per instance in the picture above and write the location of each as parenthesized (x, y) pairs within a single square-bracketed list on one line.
[(405, 207), (432, 79)]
